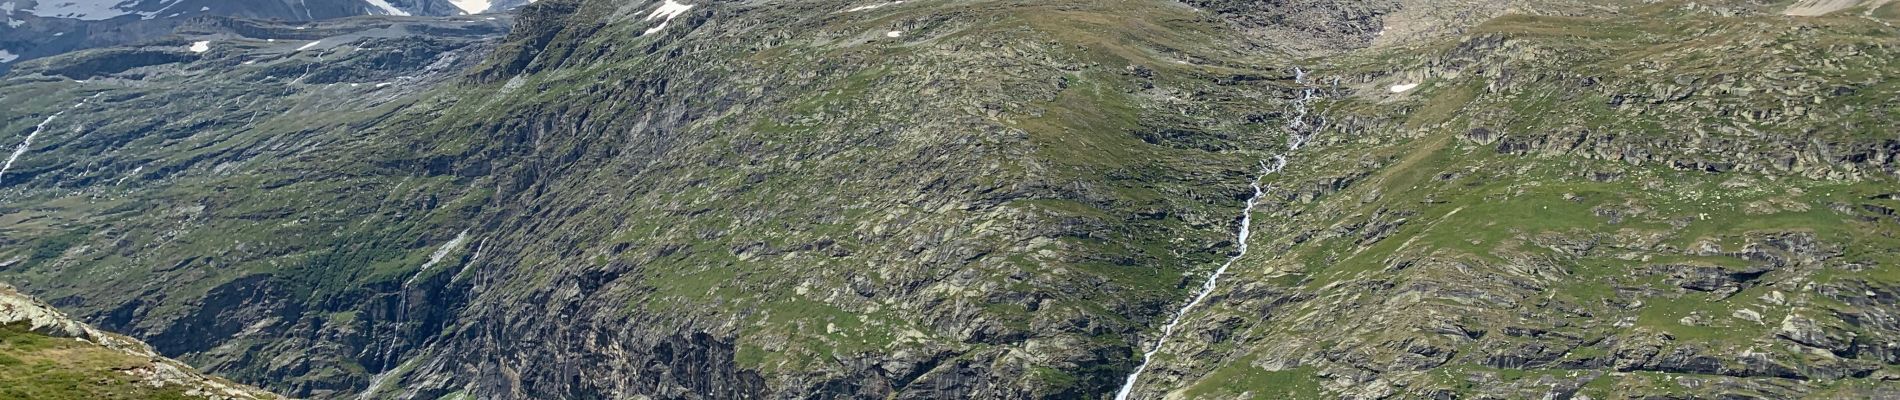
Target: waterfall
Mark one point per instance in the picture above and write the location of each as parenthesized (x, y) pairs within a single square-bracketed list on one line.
[(1296, 138), (24, 144), (402, 311)]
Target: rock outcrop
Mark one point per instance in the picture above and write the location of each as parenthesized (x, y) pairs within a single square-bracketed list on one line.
[(29, 316)]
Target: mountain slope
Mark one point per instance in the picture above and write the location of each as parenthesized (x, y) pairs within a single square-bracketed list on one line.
[(993, 199), (161, 127), (31, 29), (46, 355), (570, 164), (1671, 201)]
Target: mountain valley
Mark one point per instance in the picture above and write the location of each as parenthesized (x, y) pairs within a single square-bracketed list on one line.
[(919, 199)]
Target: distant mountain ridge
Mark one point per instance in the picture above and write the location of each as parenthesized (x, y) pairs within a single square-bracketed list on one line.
[(31, 29)]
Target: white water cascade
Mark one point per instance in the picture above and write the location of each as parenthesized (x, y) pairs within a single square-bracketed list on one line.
[(24, 144), (402, 313), (1296, 138)]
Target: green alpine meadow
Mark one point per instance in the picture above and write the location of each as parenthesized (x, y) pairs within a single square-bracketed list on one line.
[(950, 199)]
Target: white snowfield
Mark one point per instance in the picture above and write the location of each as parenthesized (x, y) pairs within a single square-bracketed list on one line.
[(7, 56), (669, 9), (443, 252), (873, 6), (200, 46), (471, 6), (307, 46), (1401, 88), (92, 10), (388, 9), (6, 14)]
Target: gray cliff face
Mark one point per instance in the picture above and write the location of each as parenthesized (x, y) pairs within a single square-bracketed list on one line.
[(999, 199)]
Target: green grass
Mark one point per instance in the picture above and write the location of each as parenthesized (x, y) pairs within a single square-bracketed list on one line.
[(36, 366), (1233, 379)]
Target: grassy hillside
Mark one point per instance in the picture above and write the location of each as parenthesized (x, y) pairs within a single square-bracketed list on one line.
[(36, 366), (989, 199), (1670, 201), (46, 355)]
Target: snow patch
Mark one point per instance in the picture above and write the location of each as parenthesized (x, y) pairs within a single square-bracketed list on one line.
[(6, 15), (872, 6), (388, 9), (7, 56), (669, 9), (307, 46), (129, 175), (655, 28), (1401, 88), (471, 6), (201, 46), (894, 34), (90, 10), (443, 252)]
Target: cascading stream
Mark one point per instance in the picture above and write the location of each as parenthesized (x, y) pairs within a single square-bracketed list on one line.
[(25, 144), (1295, 140), (402, 312)]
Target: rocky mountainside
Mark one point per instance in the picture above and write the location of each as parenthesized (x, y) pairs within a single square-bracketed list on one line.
[(32, 29), (46, 355), (984, 199), (1676, 200)]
